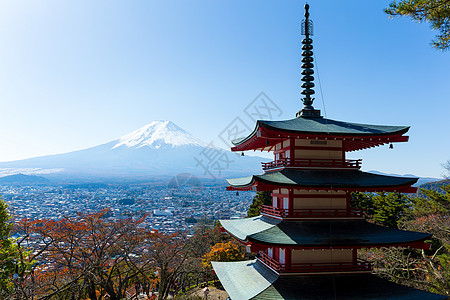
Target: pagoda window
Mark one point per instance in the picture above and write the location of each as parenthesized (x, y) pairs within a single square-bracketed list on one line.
[(286, 203), (270, 252), (277, 156), (282, 256), (287, 154)]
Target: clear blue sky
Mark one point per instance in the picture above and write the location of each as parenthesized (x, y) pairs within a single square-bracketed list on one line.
[(75, 74)]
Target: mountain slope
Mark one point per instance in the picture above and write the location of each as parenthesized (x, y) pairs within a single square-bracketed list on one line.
[(23, 179), (158, 134), (159, 148)]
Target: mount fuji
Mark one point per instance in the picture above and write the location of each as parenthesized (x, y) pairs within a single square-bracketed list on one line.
[(160, 148), (156, 135)]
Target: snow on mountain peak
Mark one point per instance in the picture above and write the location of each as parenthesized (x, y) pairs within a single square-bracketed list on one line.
[(158, 134)]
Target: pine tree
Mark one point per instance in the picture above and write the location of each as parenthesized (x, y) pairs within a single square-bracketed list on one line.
[(389, 208), (7, 252), (435, 12), (261, 198)]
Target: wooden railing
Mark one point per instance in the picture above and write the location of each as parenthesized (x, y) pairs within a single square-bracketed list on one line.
[(272, 211), (269, 261), (313, 163), (311, 213), (359, 266)]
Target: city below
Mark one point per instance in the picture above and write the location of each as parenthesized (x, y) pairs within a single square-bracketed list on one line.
[(168, 208)]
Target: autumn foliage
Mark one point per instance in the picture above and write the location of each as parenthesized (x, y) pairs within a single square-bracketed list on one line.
[(91, 257), (228, 251)]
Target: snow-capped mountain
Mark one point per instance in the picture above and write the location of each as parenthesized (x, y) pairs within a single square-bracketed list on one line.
[(158, 134), (159, 148)]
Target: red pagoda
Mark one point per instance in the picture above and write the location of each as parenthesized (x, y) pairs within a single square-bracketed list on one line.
[(307, 240)]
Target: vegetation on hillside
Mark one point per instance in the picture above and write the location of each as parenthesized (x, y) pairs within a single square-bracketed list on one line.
[(89, 257), (424, 269)]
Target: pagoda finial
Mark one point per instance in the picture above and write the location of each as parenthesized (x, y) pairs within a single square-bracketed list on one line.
[(307, 66)]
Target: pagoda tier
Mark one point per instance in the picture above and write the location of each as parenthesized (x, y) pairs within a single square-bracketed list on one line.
[(263, 232), (325, 179), (347, 136), (254, 280)]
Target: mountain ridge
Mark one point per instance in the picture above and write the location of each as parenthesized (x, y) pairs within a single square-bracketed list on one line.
[(156, 134), (156, 149)]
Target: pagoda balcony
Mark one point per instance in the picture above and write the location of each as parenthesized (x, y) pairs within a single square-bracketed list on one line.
[(269, 261), (328, 213), (354, 164), (309, 268)]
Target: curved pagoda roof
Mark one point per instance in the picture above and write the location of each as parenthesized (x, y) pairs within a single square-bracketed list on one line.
[(350, 180), (319, 234), (355, 136), (253, 280)]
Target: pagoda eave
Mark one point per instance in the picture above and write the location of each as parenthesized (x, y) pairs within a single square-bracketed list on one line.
[(259, 186), (310, 234), (264, 138), (330, 180), (254, 280), (257, 245)]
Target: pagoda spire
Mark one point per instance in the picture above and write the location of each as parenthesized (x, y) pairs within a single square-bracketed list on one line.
[(307, 66)]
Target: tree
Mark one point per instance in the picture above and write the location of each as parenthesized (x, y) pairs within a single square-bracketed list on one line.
[(89, 256), (228, 251), (384, 208), (432, 203), (424, 269), (170, 255), (15, 262), (85, 257), (389, 208), (362, 201), (7, 251), (261, 198), (204, 238), (435, 12)]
